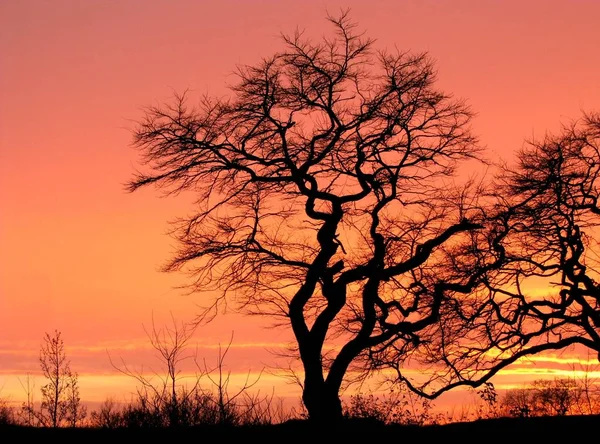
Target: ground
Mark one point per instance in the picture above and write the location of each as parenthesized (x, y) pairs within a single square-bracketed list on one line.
[(509, 430)]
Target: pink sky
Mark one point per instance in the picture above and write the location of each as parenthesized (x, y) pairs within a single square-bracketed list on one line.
[(80, 255)]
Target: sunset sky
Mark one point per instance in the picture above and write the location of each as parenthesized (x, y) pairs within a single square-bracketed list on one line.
[(80, 255)]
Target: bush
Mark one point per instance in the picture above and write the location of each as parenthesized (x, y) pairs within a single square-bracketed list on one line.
[(403, 407), (7, 413)]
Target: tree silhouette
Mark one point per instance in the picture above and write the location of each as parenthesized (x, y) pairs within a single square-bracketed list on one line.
[(326, 199), (552, 397), (554, 239), (546, 294), (61, 403), (542, 292)]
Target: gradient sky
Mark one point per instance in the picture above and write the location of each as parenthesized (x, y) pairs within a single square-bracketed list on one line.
[(79, 254)]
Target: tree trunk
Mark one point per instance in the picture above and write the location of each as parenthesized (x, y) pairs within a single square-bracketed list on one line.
[(322, 403)]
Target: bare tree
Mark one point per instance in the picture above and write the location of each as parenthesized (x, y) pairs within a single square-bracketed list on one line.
[(557, 397), (555, 215), (546, 397), (518, 402), (61, 403), (326, 200), (549, 221), (56, 370), (540, 286)]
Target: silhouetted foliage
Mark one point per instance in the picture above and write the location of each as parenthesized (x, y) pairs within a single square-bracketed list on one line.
[(166, 402), (61, 404), (540, 232), (517, 402), (551, 241), (109, 415), (555, 397), (502, 429), (396, 407), (488, 408), (589, 385), (560, 189), (166, 399), (27, 413), (7, 413), (326, 200)]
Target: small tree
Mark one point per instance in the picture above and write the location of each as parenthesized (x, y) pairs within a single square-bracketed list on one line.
[(518, 402), (543, 397), (61, 403), (557, 397)]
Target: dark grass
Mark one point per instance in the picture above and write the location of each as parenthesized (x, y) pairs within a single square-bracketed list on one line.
[(567, 429)]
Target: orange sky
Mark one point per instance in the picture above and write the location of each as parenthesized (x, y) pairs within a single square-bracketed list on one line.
[(80, 255)]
